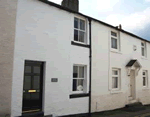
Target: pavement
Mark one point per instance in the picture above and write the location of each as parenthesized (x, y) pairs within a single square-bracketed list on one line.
[(123, 113)]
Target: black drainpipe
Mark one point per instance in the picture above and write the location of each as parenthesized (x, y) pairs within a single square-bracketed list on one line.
[(90, 65)]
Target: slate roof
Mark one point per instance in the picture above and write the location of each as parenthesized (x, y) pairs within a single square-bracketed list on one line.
[(131, 62)]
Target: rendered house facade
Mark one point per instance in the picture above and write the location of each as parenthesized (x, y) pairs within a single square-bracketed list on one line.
[(60, 62), (120, 71)]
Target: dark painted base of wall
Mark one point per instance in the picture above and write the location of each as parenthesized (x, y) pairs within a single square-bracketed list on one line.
[(78, 115), (36, 114)]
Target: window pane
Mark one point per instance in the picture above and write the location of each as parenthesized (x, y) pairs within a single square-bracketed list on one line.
[(113, 34), (27, 82), (144, 81), (76, 22), (81, 72), (76, 35), (36, 69), (115, 72), (27, 69), (75, 71), (143, 53), (81, 36), (143, 73), (142, 44), (74, 85), (114, 43), (115, 82), (36, 82), (82, 24), (80, 85)]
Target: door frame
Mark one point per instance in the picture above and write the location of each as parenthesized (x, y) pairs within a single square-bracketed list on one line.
[(41, 82), (132, 85)]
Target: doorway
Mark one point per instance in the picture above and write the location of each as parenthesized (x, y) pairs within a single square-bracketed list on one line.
[(132, 85), (33, 86)]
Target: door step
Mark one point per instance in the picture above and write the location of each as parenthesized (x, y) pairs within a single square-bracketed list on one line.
[(135, 106), (130, 98), (35, 114), (132, 101)]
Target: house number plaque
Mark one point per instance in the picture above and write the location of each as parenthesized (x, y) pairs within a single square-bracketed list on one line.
[(54, 79)]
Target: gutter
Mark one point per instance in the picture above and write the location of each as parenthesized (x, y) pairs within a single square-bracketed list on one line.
[(90, 65)]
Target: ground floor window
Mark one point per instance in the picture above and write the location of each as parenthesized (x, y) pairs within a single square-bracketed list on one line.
[(145, 78), (78, 78), (115, 78)]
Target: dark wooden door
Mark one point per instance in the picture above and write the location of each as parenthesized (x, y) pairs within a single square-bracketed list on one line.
[(32, 88)]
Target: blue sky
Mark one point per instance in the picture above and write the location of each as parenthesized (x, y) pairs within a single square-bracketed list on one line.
[(133, 15)]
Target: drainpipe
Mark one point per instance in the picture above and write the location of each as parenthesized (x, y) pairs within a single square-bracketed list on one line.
[(90, 65)]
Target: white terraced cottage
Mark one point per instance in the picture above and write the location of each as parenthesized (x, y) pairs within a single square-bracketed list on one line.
[(56, 61)]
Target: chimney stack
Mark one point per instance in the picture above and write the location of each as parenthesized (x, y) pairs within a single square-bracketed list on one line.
[(71, 4)]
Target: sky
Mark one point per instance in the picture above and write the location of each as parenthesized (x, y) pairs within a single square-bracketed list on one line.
[(133, 15)]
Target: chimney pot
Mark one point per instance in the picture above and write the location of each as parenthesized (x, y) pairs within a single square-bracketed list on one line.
[(120, 27)]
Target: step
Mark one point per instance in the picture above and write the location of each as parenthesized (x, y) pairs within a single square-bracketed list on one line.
[(132, 101), (137, 106), (130, 98), (36, 114)]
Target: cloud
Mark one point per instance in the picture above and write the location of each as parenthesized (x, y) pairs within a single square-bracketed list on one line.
[(56, 1), (133, 21), (147, 0), (105, 5)]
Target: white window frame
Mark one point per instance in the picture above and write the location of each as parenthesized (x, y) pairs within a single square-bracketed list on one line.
[(119, 78), (84, 79), (144, 47), (85, 36), (118, 40), (146, 78)]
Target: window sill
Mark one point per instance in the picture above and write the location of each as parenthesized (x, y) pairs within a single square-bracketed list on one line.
[(79, 95), (80, 44), (146, 88), (144, 58), (115, 51), (115, 91)]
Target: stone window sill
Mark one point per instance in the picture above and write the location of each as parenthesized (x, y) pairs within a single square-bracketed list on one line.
[(113, 51), (79, 95), (115, 91)]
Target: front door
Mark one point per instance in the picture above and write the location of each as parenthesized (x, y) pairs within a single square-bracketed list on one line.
[(132, 85), (32, 88)]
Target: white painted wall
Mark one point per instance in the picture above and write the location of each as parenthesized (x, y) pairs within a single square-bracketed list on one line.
[(103, 59), (44, 33)]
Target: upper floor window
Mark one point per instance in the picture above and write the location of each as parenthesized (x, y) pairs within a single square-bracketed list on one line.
[(79, 78), (114, 40), (79, 30), (145, 78), (143, 49), (115, 78)]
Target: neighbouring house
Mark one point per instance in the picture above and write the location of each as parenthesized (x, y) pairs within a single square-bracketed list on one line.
[(56, 61)]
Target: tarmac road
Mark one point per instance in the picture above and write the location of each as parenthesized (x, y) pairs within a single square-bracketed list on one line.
[(144, 115)]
